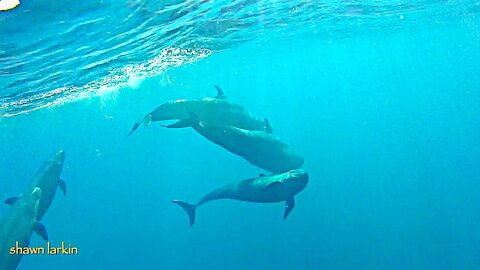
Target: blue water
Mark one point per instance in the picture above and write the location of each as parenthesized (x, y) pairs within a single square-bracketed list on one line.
[(381, 99)]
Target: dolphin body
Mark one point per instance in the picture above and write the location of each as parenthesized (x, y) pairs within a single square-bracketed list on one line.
[(18, 225), (260, 148), (215, 110), (47, 179), (262, 189)]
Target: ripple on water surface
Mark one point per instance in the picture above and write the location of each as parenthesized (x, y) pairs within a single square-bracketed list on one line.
[(52, 52)]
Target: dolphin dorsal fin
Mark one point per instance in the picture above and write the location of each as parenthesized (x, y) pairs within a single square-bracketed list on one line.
[(268, 127), (220, 93)]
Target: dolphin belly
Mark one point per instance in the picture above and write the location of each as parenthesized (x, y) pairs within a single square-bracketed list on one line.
[(273, 157), (257, 147)]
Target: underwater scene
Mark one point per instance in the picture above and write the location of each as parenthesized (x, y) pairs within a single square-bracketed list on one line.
[(239, 134)]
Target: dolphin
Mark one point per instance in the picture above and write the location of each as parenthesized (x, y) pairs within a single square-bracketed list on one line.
[(215, 110), (262, 189), (260, 148), (48, 179), (18, 225)]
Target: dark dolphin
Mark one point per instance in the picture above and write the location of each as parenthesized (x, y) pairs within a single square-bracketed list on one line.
[(260, 148), (48, 179), (263, 189), (18, 225), (216, 110)]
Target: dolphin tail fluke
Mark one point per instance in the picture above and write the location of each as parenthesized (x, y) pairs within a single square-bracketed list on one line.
[(189, 208)]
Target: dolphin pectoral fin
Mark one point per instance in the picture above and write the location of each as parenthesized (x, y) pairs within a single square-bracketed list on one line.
[(273, 184), (62, 186), (268, 127), (135, 126), (220, 93), (194, 120), (289, 205), (189, 208), (11, 200), (180, 124), (40, 229)]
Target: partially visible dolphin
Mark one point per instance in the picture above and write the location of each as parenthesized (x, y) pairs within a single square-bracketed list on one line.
[(260, 148), (18, 225), (48, 179), (216, 110), (262, 189)]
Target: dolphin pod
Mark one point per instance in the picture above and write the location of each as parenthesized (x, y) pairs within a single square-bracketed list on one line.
[(224, 123), (18, 225), (262, 189), (233, 128), (48, 179), (260, 148), (216, 110)]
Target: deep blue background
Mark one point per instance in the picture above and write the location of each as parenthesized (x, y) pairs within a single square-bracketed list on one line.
[(387, 121)]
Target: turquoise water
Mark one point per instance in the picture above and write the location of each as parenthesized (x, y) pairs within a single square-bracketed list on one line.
[(381, 99)]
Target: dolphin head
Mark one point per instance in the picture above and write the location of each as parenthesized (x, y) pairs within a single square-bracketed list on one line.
[(53, 166), (173, 109), (59, 157), (296, 180)]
